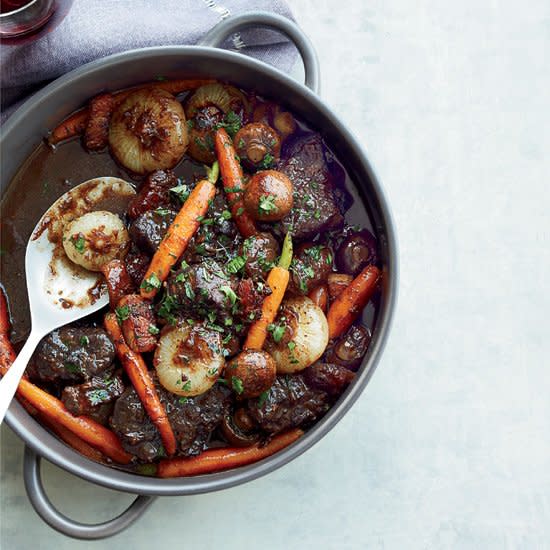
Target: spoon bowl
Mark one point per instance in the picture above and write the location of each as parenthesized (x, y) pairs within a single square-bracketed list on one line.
[(60, 291)]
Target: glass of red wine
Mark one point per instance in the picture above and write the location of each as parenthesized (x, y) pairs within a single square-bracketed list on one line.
[(26, 20)]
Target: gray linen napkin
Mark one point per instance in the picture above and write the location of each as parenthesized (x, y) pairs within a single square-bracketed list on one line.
[(95, 29)]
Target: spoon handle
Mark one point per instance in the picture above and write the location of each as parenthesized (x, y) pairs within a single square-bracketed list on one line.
[(9, 382)]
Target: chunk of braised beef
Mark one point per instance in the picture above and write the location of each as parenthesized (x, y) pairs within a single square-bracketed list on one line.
[(71, 354), (204, 289), (289, 403), (119, 282), (310, 267), (315, 207), (327, 377), (217, 234), (137, 263), (149, 228), (193, 419), (137, 318), (350, 349), (251, 296), (260, 252), (95, 397), (154, 193)]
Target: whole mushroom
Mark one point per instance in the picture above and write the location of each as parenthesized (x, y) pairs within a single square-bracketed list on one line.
[(258, 146)]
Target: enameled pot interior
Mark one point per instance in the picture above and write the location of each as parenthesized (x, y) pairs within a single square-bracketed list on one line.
[(24, 130)]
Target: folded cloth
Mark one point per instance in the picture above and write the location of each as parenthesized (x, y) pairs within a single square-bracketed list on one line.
[(94, 29)]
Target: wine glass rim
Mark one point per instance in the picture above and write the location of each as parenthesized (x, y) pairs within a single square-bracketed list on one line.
[(18, 10)]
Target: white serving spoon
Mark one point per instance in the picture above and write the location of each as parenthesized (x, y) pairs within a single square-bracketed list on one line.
[(61, 292)]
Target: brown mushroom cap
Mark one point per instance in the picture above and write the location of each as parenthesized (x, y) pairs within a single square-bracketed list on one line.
[(251, 373), (258, 145), (268, 196)]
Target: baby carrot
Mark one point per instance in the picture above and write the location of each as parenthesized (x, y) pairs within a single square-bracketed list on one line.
[(137, 372), (216, 460), (349, 304), (278, 281), (232, 178), (179, 234)]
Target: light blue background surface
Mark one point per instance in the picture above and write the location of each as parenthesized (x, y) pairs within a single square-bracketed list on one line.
[(449, 446)]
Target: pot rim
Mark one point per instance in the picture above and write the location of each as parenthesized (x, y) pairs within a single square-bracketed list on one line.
[(53, 449)]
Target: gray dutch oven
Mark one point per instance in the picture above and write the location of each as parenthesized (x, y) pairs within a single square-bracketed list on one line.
[(22, 133)]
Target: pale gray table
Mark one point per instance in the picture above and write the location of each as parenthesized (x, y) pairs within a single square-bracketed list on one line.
[(449, 446)]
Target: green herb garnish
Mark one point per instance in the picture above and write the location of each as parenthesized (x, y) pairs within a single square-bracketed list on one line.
[(237, 385), (229, 293), (181, 191), (267, 161), (84, 340), (235, 265), (79, 242), (98, 396), (267, 204), (151, 283), (122, 313), (231, 123), (277, 331), (72, 368)]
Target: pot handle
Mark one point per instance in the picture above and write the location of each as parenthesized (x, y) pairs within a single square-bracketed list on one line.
[(223, 30), (54, 518)]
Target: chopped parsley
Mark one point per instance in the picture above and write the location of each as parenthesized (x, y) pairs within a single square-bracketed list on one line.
[(226, 215), (98, 396), (79, 242), (186, 386), (237, 385), (235, 265), (122, 313), (151, 283), (229, 294), (153, 329), (189, 292), (262, 398), (231, 122), (267, 161), (213, 371), (72, 368), (181, 191), (314, 252), (166, 309), (317, 214), (240, 210), (267, 204), (291, 346), (84, 340), (277, 331), (183, 400), (162, 211)]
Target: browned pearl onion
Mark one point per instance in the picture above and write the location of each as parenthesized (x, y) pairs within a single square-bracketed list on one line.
[(148, 131), (251, 373), (268, 196)]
